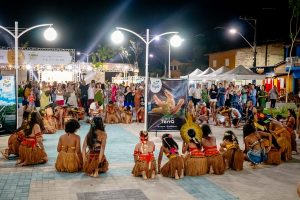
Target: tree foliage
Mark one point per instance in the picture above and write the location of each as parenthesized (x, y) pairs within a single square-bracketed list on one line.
[(294, 5), (101, 55)]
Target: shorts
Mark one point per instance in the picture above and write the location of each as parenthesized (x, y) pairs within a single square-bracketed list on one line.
[(257, 157), (213, 100), (60, 102), (220, 118)]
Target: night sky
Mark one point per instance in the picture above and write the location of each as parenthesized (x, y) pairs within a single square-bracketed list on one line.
[(82, 26)]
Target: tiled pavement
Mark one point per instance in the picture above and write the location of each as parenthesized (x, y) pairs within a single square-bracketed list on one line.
[(43, 182)]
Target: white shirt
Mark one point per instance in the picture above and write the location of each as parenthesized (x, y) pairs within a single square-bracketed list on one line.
[(191, 91), (94, 107), (91, 93), (197, 93)]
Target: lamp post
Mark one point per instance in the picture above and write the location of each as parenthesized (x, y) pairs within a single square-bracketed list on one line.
[(234, 31), (50, 35), (118, 37), (175, 41), (86, 54)]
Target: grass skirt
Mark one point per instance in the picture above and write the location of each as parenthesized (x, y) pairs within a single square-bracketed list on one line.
[(14, 142), (68, 162), (141, 166), (274, 157), (177, 163), (234, 159), (195, 166), (32, 155), (217, 164), (91, 164)]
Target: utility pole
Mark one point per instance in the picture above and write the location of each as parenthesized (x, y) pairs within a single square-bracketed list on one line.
[(254, 40)]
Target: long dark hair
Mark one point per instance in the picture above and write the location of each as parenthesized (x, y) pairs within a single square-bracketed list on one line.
[(230, 136), (33, 118), (168, 141), (193, 139), (97, 124), (293, 114), (248, 129), (206, 130)]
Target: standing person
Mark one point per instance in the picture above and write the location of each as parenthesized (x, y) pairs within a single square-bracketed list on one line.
[(213, 93), (84, 95), (252, 94), (244, 93), (204, 95), (45, 95), (262, 97), (113, 92), (221, 95), (94, 160), (191, 92), (91, 93), (31, 150), (99, 94), (214, 158), (273, 96), (72, 100), (59, 93), (31, 101), (69, 157), (197, 94), (128, 97), (195, 162), (145, 164), (174, 168)]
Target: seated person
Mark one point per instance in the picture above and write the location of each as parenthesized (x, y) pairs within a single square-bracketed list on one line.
[(16, 138), (95, 109), (214, 158), (255, 150), (222, 114), (195, 162), (202, 113), (69, 157), (50, 122), (231, 151), (141, 113), (127, 115), (174, 168), (111, 113), (235, 117), (145, 164)]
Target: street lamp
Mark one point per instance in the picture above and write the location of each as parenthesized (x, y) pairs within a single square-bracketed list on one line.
[(234, 31), (86, 54), (117, 37), (50, 34), (175, 41)]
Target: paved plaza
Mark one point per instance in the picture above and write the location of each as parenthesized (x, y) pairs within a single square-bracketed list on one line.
[(43, 182)]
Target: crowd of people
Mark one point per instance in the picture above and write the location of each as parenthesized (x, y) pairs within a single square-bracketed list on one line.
[(270, 141)]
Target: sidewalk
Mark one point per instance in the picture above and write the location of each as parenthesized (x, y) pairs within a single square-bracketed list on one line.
[(43, 182)]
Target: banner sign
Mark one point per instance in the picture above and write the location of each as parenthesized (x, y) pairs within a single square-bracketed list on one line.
[(167, 100), (7, 104), (36, 57)]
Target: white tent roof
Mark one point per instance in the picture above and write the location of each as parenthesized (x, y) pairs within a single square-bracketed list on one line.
[(214, 75), (240, 73), (201, 76), (194, 73)]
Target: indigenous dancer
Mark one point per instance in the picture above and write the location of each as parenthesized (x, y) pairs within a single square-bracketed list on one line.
[(145, 164), (49, 121), (69, 157), (291, 126), (175, 166), (111, 113), (231, 151), (195, 162), (16, 138), (31, 150), (255, 150), (214, 158), (94, 161)]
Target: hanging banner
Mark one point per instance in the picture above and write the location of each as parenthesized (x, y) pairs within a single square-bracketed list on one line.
[(7, 104), (167, 100)]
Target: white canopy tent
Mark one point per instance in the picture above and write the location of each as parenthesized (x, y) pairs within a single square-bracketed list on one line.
[(214, 75), (240, 73), (201, 76), (194, 73)]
